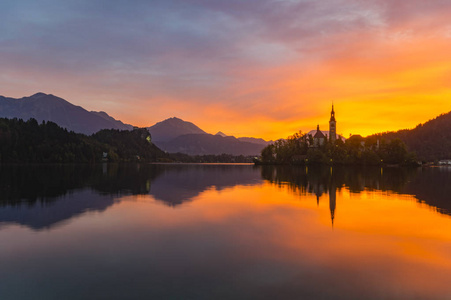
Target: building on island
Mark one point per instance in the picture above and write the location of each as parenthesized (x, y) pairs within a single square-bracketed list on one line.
[(320, 136), (332, 126)]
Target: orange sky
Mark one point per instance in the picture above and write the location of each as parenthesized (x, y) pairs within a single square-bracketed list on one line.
[(264, 69)]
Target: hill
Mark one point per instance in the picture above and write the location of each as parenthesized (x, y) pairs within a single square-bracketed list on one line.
[(247, 139), (430, 141), (47, 107), (259, 141), (46, 142), (171, 128), (201, 144), (178, 136)]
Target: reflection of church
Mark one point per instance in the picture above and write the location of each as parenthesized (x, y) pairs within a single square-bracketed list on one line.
[(318, 190)]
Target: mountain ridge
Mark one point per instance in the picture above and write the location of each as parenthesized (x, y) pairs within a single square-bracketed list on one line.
[(430, 140), (176, 135), (171, 128), (47, 107), (203, 144)]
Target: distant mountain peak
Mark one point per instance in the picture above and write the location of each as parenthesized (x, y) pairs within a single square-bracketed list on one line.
[(47, 107), (220, 133), (100, 113), (39, 95), (171, 128)]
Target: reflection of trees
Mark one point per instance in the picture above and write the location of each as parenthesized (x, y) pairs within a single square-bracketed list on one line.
[(172, 184), (68, 190), (41, 196), (431, 186), (45, 183), (126, 179), (317, 179), (42, 182)]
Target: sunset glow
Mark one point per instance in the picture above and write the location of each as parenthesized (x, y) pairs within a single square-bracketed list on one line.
[(247, 68), (375, 229)]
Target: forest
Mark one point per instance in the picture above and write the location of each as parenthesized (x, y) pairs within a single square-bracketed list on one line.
[(46, 142), (431, 141), (428, 142), (302, 149), (31, 142)]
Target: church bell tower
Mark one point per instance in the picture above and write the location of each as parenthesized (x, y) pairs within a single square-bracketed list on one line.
[(332, 126)]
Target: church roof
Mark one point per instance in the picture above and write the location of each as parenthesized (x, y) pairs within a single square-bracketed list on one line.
[(319, 134), (326, 133)]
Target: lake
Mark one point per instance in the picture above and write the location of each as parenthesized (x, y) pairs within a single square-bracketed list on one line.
[(224, 232)]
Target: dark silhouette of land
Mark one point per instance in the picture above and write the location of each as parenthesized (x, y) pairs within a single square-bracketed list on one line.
[(430, 141), (31, 142), (47, 107)]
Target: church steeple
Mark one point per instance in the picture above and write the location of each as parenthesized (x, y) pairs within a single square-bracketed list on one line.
[(332, 126), (332, 114)]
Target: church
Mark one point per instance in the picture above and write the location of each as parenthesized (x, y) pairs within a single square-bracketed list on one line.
[(320, 136)]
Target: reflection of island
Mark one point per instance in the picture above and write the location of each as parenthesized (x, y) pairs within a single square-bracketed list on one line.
[(431, 186), (43, 196)]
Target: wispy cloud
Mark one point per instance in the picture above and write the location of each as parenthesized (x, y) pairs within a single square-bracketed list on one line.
[(274, 61)]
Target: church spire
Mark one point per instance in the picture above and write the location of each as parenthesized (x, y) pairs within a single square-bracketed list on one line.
[(332, 126), (332, 114)]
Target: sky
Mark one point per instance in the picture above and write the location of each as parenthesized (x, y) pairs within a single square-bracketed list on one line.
[(261, 68)]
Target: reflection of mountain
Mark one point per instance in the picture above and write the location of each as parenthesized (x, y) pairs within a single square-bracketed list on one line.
[(431, 186), (180, 183), (43, 196), (40, 215)]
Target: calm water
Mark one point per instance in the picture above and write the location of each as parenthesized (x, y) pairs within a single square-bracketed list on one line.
[(224, 232)]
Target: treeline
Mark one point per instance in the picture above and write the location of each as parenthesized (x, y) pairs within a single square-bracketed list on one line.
[(304, 149), (31, 142), (46, 142), (221, 158), (431, 141)]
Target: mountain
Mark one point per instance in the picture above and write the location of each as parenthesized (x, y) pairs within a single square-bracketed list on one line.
[(120, 125), (171, 128), (31, 142), (201, 144), (247, 139), (47, 107), (430, 141), (220, 133), (255, 141), (175, 135)]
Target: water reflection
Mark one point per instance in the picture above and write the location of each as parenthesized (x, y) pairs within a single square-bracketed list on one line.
[(177, 184), (431, 186), (43, 196), (223, 232)]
